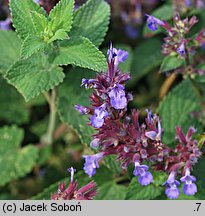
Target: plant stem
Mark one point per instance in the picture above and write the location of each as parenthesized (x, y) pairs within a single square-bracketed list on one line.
[(48, 137), (167, 85)]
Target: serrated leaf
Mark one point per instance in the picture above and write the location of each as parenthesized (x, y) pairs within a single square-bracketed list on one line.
[(146, 57), (32, 45), (39, 22), (112, 164), (159, 178), (171, 63), (61, 16), (136, 191), (21, 16), (71, 94), (12, 159), (91, 21), (9, 49), (13, 107), (59, 35), (165, 12), (34, 75), (176, 108), (81, 52), (111, 191), (198, 172)]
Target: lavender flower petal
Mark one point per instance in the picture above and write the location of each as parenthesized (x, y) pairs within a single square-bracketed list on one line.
[(91, 163), (117, 97)]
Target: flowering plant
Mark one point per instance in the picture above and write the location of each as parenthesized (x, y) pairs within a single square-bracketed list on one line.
[(125, 130)]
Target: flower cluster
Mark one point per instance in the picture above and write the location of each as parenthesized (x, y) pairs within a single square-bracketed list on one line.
[(178, 41), (122, 135), (185, 6), (131, 14), (88, 192), (181, 160)]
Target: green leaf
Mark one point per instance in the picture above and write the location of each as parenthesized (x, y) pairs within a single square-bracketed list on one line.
[(111, 191), (159, 178), (165, 12), (34, 75), (171, 63), (39, 22), (32, 45), (81, 52), (61, 16), (198, 172), (12, 159), (146, 57), (91, 21), (9, 49), (110, 162), (59, 35), (175, 110), (71, 94), (22, 17), (136, 191), (44, 155), (13, 107)]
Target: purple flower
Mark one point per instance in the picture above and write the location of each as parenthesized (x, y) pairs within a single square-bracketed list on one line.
[(189, 188), (203, 46), (95, 143), (181, 50), (37, 1), (117, 97), (150, 116), (88, 83), (5, 24), (81, 109), (153, 135), (100, 113), (153, 23), (145, 177), (91, 163), (199, 4), (172, 191), (121, 55), (188, 3), (71, 171), (117, 56)]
